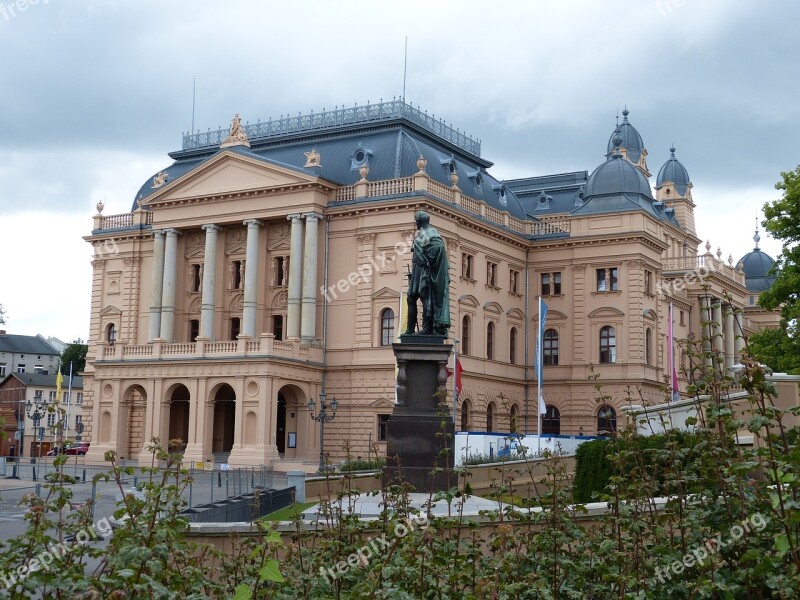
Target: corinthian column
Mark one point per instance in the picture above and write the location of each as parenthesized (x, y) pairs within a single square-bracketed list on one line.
[(209, 280), (168, 293), (295, 277), (309, 318), (251, 278), (156, 285)]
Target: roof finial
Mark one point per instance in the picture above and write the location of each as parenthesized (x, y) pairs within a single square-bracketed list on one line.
[(672, 150), (618, 117), (625, 113), (756, 237)]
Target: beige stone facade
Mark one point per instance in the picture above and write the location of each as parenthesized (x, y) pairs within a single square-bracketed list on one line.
[(242, 286)]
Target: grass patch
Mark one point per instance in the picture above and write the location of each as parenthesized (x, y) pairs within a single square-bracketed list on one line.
[(288, 513)]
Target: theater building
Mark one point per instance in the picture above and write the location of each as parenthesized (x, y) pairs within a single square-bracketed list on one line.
[(265, 265)]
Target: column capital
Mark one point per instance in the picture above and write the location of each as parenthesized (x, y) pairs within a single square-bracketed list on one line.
[(171, 231), (253, 223), (312, 216), (157, 232), (211, 227)]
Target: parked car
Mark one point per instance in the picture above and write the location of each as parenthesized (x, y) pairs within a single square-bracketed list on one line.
[(78, 449)]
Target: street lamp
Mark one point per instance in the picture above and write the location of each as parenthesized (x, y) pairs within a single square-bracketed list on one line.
[(322, 418), (35, 411)]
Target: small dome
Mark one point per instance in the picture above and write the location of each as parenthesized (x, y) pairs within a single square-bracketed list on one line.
[(675, 172), (617, 177), (756, 266), (631, 140)]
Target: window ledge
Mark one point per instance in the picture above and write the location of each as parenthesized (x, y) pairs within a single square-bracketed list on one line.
[(489, 286), (469, 280)]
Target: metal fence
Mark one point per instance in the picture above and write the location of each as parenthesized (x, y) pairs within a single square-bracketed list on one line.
[(203, 487)]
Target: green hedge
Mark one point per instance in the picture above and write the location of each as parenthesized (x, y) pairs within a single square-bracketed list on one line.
[(594, 463)]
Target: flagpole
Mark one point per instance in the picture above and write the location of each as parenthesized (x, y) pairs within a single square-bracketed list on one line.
[(69, 401)]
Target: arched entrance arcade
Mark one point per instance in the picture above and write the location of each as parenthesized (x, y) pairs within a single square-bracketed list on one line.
[(178, 427)]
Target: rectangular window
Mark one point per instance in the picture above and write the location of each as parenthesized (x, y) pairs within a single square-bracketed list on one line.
[(466, 266), (196, 278), (236, 327), (37, 395), (557, 283), (194, 329), (65, 397), (51, 419), (513, 278), (38, 368), (383, 427), (280, 271), (648, 282), (237, 268), (2, 370), (601, 280), (545, 284), (52, 397), (614, 273), (79, 398), (78, 421), (20, 368), (491, 274), (277, 327)]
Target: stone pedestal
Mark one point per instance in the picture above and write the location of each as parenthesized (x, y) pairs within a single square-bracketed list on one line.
[(421, 425)]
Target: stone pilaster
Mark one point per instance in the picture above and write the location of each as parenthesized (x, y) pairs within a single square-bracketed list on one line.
[(739, 336), (729, 338)]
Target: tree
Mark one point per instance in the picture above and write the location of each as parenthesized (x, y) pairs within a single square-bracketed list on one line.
[(76, 354), (2, 315), (783, 222), (779, 349)]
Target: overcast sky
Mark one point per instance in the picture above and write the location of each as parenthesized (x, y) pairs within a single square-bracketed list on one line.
[(96, 93)]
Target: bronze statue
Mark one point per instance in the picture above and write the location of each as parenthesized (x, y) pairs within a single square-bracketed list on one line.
[(429, 280)]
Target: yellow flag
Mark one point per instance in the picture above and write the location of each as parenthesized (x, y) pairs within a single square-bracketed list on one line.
[(59, 381)]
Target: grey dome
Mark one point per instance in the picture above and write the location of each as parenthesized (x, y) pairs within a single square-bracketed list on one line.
[(756, 266), (631, 140), (674, 171), (617, 177)]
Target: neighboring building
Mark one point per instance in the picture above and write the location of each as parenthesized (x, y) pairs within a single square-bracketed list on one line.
[(17, 390), (267, 263), (26, 354)]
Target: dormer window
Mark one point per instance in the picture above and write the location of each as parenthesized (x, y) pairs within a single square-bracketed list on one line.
[(543, 202), (360, 157), (501, 194), (477, 179), (449, 164)]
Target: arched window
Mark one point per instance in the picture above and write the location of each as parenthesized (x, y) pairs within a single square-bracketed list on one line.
[(551, 421), (111, 334), (465, 415), (490, 417), (490, 340), (648, 346), (608, 345), (550, 348), (465, 331), (606, 419), (387, 327), (512, 346), (513, 415)]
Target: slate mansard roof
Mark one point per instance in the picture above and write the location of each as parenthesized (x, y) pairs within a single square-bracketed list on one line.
[(388, 138)]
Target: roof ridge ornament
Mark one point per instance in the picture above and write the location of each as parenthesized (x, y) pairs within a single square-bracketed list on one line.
[(756, 237), (237, 135), (313, 158)]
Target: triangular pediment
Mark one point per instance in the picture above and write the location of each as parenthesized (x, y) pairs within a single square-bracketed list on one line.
[(195, 252), (229, 172), (385, 293), (279, 246), (382, 403), (110, 310)]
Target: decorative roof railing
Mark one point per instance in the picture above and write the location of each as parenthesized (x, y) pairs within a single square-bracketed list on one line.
[(703, 264), (331, 119)]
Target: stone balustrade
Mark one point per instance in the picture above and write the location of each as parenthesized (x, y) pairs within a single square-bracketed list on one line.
[(265, 346)]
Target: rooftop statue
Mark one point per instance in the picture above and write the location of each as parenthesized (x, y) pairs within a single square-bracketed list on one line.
[(429, 280)]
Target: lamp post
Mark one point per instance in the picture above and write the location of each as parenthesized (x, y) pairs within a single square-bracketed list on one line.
[(35, 411), (322, 418)]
